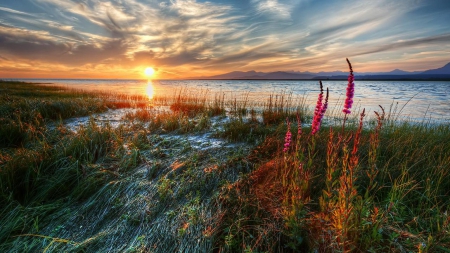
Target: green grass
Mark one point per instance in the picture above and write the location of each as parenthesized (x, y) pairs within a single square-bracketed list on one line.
[(40, 167), (378, 189), (52, 173), (382, 187)]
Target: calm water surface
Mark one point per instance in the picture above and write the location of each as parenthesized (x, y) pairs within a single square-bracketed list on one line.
[(418, 99)]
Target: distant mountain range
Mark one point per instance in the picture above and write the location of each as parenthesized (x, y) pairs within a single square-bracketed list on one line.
[(442, 73)]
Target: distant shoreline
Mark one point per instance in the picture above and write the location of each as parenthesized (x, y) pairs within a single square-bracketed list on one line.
[(446, 79), (316, 79)]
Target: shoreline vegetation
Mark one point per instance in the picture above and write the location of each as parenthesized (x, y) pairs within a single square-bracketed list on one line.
[(185, 173), (327, 78)]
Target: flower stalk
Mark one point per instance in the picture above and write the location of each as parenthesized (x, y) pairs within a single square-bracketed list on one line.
[(350, 90), (349, 95), (288, 137), (319, 112)]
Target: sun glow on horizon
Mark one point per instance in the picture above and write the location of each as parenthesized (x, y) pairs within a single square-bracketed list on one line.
[(149, 72)]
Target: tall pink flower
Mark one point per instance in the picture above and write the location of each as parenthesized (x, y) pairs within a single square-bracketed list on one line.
[(318, 115), (319, 100), (288, 137), (350, 90), (317, 109), (299, 126), (324, 107)]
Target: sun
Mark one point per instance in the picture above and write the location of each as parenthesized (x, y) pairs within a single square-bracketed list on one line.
[(149, 71)]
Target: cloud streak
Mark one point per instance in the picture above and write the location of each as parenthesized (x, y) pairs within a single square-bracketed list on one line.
[(273, 9), (195, 38), (432, 40)]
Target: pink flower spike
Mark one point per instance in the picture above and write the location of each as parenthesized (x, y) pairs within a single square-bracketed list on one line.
[(299, 126), (350, 90), (318, 118), (288, 137), (318, 109)]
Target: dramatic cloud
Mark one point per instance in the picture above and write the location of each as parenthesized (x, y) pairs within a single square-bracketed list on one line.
[(272, 8), (185, 38), (432, 40)]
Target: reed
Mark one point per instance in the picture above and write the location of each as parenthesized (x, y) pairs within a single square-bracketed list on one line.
[(372, 184), (376, 186)]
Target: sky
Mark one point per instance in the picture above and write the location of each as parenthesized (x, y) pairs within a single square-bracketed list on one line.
[(193, 38)]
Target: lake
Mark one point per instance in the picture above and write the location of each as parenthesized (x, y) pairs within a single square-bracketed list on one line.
[(418, 100)]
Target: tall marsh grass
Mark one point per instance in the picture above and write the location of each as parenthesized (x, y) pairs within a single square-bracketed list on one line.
[(366, 183), (370, 185), (43, 168), (25, 108)]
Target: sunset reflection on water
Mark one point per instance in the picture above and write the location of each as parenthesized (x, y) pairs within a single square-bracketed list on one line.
[(150, 91), (417, 100)]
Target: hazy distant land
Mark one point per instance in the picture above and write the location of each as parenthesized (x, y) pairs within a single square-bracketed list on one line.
[(441, 74)]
